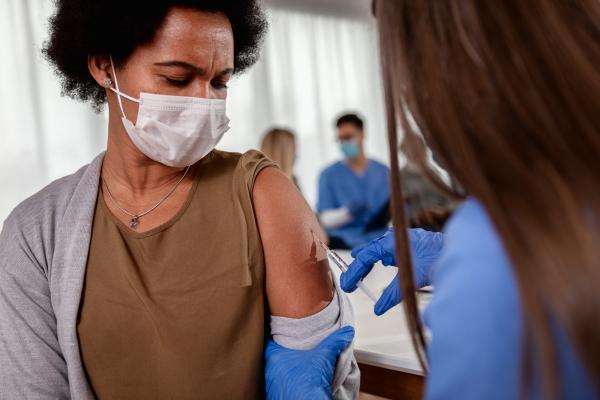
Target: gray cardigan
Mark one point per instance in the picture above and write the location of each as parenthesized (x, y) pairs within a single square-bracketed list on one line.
[(43, 255)]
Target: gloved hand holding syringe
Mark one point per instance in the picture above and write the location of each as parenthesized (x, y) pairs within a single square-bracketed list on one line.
[(341, 264)]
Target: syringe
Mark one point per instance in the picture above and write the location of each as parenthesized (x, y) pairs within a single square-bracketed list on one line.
[(341, 264)]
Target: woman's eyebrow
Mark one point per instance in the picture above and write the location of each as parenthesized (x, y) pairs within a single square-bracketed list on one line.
[(181, 64), (225, 72), (191, 67)]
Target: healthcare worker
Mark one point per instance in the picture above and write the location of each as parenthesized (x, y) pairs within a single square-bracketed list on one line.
[(507, 95), (351, 205)]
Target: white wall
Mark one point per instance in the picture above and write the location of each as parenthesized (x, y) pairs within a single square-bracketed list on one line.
[(316, 62)]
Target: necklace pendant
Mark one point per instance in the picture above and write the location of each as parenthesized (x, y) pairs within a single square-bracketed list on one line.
[(134, 222)]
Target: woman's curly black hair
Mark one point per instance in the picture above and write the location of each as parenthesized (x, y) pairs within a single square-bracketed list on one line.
[(117, 27)]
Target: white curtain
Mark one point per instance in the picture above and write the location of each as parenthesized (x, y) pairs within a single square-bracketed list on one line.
[(315, 64)]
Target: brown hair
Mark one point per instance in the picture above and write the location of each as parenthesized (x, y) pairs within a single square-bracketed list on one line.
[(507, 95), (350, 118), (280, 146)]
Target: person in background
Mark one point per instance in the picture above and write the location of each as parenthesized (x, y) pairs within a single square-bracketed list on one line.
[(351, 207), (280, 146), (426, 206)]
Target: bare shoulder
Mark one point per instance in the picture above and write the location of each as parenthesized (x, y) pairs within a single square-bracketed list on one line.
[(298, 279)]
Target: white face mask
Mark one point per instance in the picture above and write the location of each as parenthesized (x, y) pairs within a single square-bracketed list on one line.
[(174, 130)]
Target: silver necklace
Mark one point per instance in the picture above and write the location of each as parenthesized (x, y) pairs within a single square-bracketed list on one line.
[(134, 221)]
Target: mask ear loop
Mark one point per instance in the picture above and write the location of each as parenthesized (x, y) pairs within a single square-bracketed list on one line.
[(118, 92)]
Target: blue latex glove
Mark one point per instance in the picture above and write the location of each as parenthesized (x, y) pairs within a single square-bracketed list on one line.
[(426, 248), (304, 374)]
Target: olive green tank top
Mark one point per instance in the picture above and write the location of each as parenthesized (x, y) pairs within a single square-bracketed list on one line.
[(178, 312)]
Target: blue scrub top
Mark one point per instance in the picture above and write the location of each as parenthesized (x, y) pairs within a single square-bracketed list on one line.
[(475, 320), (340, 186)]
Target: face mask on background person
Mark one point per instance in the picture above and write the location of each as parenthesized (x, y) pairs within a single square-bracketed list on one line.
[(350, 149), (174, 130)]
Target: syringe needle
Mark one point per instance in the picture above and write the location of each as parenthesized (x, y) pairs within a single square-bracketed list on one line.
[(341, 264)]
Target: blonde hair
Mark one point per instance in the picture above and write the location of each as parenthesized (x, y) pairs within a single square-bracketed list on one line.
[(280, 146)]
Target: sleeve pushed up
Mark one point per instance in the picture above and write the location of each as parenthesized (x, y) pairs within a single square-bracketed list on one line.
[(252, 162), (306, 333)]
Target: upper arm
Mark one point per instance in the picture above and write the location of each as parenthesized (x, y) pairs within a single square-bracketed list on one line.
[(474, 321), (32, 364), (298, 281)]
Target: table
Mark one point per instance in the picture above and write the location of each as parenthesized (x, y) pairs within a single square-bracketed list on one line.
[(382, 346)]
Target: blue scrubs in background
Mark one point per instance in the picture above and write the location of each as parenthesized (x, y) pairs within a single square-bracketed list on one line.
[(366, 195)]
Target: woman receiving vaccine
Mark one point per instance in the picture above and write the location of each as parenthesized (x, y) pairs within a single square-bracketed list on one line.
[(154, 271)]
